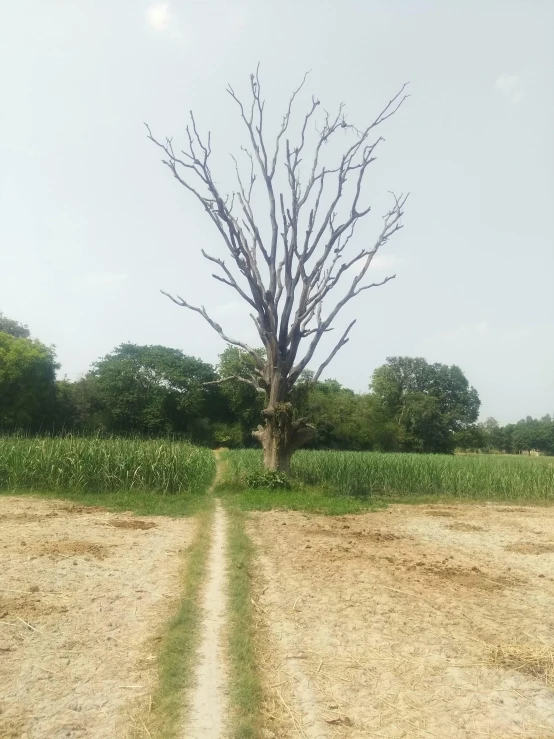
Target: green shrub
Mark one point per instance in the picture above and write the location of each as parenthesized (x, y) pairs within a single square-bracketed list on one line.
[(227, 434), (267, 480)]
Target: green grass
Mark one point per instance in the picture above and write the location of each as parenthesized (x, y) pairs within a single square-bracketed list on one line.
[(300, 498), (245, 683), (177, 644), (140, 503), (90, 465), (364, 477)]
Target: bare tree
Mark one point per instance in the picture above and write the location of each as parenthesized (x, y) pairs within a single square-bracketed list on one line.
[(286, 267)]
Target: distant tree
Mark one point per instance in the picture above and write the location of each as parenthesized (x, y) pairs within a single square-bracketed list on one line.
[(27, 383), (332, 409), (13, 328), (79, 406), (531, 433), (244, 401), (292, 253), (495, 437), (344, 419), (154, 389), (429, 402), (472, 438)]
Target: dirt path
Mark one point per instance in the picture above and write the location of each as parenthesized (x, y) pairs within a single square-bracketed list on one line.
[(209, 698)]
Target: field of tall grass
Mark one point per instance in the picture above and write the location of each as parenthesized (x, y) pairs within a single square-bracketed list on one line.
[(396, 475), (103, 465), (118, 465)]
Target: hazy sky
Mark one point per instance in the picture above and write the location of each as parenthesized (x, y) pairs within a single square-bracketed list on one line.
[(92, 224)]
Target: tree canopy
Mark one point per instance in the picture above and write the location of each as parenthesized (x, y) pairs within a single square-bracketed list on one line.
[(13, 328), (27, 383), (154, 389), (429, 402), (525, 435)]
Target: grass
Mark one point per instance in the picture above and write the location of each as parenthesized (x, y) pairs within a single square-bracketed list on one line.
[(245, 682), (364, 477), (299, 498), (178, 642), (91, 465), (140, 503)]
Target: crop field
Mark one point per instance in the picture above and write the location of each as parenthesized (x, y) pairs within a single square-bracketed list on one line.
[(494, 477), (100, 465)]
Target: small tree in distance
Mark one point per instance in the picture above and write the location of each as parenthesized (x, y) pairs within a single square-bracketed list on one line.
[(290, 258)]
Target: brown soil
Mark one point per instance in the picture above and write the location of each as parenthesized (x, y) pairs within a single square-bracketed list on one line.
[(461, 526), (79, 509), (530, 547), (79, 605), (131, 523), (68, 548), (397, 633)]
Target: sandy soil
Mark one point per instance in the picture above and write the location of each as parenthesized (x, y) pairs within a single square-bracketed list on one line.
[(82, 592), (386, 624), (208, 705)]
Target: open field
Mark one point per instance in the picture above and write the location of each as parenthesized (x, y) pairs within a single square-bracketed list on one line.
[(427, 621), (83, 594), (378, 475)]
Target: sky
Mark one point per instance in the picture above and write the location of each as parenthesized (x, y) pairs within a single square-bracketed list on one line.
[(92, 225)]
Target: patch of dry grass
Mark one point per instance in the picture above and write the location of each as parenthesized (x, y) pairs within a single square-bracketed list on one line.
[(534, 660)]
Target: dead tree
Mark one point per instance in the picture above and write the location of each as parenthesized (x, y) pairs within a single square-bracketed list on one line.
[(287, 269)]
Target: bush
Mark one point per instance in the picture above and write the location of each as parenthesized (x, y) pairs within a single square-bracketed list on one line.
[(227, 435), (267, 479)]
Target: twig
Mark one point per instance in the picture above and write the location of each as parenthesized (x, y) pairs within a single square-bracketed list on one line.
[(28, 624), (144, 726), (46, 669)]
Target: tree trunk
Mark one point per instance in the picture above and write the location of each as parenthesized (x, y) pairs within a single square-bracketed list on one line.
[(282, 436)]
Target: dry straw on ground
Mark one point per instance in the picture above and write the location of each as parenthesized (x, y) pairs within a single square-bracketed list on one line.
[(537, 661)]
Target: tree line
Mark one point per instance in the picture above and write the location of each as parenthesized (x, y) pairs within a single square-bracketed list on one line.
[(410, 405)]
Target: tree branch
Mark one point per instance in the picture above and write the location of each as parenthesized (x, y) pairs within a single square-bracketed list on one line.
[(252, 383), (202, 311), (342, 341)]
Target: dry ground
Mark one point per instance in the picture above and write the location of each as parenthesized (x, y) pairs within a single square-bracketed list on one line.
[(82, 594), (402, 623)]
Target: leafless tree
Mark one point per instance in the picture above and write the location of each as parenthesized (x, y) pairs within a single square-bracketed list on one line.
[(286, 266)]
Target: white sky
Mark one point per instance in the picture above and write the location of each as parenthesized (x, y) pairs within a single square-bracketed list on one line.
[(92, 225)]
